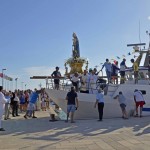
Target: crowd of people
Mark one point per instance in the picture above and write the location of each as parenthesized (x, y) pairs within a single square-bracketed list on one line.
[(14, 103), (87, 81)]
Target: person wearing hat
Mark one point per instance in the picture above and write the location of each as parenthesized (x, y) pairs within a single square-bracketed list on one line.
[(100, 103), (90, 71), (3, 100), (139, 101), (136, 70), (56, 74), (122, 70)]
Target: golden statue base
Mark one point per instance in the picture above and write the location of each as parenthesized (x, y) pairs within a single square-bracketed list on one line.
[(75, 65)]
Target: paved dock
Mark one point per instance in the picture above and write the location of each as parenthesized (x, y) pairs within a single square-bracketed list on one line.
[(40, 134)]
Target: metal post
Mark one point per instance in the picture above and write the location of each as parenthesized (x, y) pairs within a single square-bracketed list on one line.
[(148, 33), (3, 77), (16, 82), (22, 85)]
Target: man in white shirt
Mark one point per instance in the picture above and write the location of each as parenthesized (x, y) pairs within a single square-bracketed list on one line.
[(123, 104), (139, 101), (84, 83), (92, 83), (3, 100), (100, 103), (75, 78)]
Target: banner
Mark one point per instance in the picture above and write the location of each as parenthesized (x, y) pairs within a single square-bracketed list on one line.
[(6, 77)]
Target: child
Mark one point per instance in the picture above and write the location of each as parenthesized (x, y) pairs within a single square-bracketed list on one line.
[(122, 102), (43, 103)]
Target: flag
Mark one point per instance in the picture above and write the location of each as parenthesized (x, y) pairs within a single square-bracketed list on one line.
[(129, 53), (112, 59), (123, 56), (6, 77), (133, 51), (1, 75), (96, 66), (118, 57), (135, 56)]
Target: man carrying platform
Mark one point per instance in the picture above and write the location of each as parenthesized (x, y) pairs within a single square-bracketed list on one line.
[(72, 103)]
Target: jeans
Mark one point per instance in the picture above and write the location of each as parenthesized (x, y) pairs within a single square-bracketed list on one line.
[(100, 110)]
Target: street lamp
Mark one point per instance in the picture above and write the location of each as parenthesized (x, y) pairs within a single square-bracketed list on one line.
[(148, 33), (22, 85), (3, 77), (16, 82)]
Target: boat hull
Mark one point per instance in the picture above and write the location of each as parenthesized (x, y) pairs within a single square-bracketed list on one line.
[(86, 108)]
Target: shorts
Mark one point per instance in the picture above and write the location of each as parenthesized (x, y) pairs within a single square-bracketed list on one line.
[(141, 103), (56, 81), (123, 106), (71, 108), (122, 73), (81, 91), (136, 74), (22, 103), (31, 106), (75, 83)]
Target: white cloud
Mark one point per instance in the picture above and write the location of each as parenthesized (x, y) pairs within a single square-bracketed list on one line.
[(148, 18)]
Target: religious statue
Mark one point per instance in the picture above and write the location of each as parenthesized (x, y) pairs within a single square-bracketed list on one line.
[(75, 46), (75, 62)]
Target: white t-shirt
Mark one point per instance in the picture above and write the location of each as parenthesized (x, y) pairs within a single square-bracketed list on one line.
[(121, 99), (75, 79), (100, 97), (85, 80), (16, 99), (92, 84), (138, 96)]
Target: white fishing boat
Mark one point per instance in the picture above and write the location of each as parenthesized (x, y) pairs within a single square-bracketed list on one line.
[(112, 109), (86, 108)]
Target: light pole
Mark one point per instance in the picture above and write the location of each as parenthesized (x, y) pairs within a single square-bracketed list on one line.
[(16, 82), (148, 33), (3, 77), (22, 85)]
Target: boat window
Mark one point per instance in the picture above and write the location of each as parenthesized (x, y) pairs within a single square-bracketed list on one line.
[(143, 92)]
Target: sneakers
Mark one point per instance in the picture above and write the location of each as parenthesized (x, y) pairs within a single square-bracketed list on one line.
[(25, 117), (100, 120), (73, 122), (2, 129), (34, 117)]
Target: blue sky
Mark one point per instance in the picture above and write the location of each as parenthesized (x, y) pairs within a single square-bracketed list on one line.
[(36, 35)]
